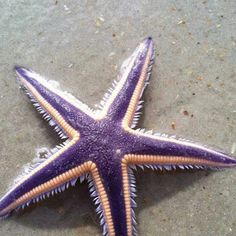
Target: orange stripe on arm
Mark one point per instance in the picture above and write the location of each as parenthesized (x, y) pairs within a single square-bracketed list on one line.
[(121, 104)]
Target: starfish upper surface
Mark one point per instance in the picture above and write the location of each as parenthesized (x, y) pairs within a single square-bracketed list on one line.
[(103, 146)]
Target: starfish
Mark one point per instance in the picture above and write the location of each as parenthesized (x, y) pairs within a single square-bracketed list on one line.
[(103, 146)]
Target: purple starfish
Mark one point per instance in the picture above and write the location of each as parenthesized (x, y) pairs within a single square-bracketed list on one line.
[(102, 146)]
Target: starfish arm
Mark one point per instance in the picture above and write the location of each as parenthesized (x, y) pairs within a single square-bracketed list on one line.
[(163, 152), (101, 200), (116, 183), (123, 103), (53, 175), (59, 108)]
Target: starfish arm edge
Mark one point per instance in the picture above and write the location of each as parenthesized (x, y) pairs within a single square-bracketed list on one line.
[(129, 186), (44, 181), (122, 102), (57, 107), (100, 198), (162, 152)]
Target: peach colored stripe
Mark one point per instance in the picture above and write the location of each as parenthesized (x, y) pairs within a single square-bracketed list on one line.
[(104, 200), (127, 199), (152, 159), (136, 95), (174, 160), (51, 110), (64, 178), (49, 185)]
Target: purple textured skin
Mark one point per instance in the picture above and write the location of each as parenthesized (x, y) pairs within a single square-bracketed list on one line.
[(105, 143)]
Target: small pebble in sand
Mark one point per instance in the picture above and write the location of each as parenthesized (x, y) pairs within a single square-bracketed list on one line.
[(185, 112), (181, 22), (99, 21), (173, 125), (200, 78)]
